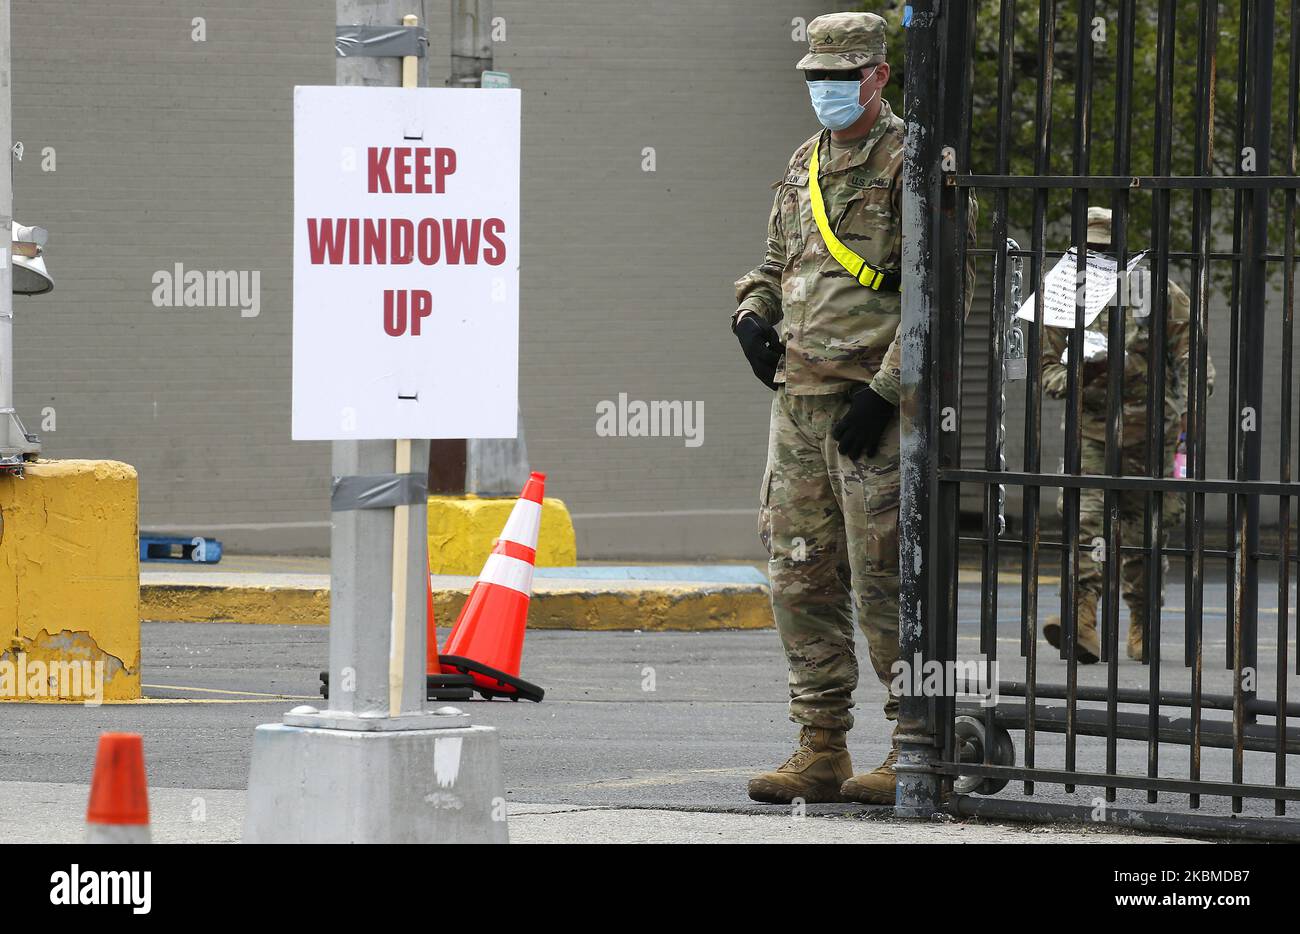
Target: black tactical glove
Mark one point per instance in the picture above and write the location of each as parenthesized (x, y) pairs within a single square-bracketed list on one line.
[(762, 346), (861, 429)]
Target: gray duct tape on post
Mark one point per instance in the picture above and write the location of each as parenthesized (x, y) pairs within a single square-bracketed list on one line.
[(380, 491), (380, 41)]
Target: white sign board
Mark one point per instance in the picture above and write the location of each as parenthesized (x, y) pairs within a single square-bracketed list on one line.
[(1061, 285), (405, 263)]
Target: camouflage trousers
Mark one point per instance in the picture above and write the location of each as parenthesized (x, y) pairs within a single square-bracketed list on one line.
[(1132, 505), (830, 525)]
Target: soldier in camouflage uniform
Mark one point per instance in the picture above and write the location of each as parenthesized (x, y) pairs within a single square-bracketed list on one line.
[(829, 497), (1133, 426)]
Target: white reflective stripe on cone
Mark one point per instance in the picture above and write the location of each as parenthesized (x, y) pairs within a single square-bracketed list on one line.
[(524, 523), (506, 571)]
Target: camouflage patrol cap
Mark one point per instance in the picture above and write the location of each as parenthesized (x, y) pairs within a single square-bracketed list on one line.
[(1099, 225), (844, 40)]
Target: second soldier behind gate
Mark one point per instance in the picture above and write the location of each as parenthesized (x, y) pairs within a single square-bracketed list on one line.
[(1092, 421)]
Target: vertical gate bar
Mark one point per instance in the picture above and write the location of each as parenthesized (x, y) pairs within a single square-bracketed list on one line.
[(1074, 378), (1153, 505), (1032, 495), (1234, 343), (956, 58), (1189, 413), (1257, 278), (1284, 441), (1115, 386), (994, 376), (1237, 609), (997, 351), (1293, 167), (918, 786), (1207, 76), (1254, 269)]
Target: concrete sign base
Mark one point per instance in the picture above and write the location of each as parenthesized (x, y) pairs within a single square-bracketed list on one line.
[(310, 785)]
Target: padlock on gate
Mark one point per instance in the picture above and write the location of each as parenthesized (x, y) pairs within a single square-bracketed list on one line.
[(1013, 362)]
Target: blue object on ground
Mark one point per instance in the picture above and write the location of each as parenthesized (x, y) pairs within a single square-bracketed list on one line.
[(193, 550)]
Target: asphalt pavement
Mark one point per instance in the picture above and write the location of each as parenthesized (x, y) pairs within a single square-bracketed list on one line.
[(659, 722)]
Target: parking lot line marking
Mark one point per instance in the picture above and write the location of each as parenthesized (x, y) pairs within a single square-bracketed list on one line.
[(180, 687), (185, 700)]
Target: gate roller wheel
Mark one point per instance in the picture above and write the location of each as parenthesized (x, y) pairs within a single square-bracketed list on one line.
[(970, 738)]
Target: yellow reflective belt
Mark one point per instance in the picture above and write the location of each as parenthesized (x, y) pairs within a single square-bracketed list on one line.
[(858, 267)]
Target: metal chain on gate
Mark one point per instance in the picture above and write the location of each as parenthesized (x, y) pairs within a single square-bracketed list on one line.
[(1014, 365)]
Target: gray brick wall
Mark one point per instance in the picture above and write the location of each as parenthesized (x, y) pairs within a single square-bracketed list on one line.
[(169, 151), (175, 151), (628, 275)]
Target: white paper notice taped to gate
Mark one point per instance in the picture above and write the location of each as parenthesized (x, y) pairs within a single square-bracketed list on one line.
[(406, 263), (1061, 285)]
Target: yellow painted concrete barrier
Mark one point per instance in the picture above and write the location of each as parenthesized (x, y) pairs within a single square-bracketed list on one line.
[(609, 605), (462, 529), (70, 582)]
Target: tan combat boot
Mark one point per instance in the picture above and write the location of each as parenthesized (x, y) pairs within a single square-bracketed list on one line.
[(877, 786), (1087, 646), (814, 773)]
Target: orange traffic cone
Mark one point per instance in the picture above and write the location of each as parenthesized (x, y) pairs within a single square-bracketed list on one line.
[(119, 797), (438, 685), (487, 641)]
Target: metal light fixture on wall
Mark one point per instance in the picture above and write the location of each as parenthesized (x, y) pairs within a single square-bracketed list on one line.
[(30, 274), (30, 277)]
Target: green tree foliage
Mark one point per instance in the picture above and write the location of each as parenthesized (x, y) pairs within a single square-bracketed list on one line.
[(1104, 39)]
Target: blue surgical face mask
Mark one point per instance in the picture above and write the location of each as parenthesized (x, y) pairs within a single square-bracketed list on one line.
[(836, 102)]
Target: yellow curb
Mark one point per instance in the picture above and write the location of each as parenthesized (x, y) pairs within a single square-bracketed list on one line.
[(976, 576), (195, 603), (603, 606), (664, 607)]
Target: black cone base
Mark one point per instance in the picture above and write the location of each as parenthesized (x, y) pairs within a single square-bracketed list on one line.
[(491, 683)]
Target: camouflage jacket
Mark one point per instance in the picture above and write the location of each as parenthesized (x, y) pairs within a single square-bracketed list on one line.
[(837, 332), (1136, 334)]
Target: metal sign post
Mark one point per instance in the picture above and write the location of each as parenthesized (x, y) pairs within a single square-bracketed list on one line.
[(376, 765)]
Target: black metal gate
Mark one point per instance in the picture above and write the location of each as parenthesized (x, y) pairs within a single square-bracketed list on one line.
[(984, 84)]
